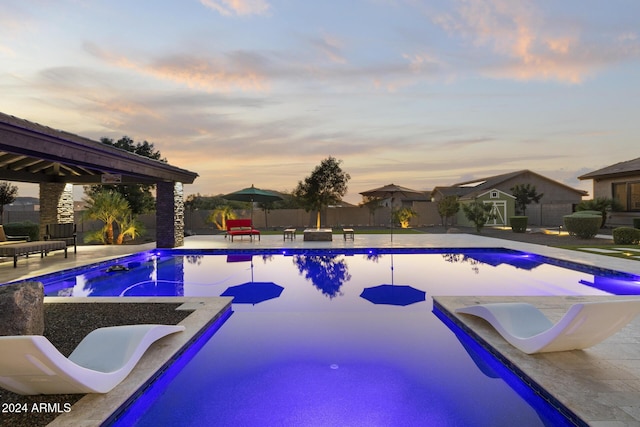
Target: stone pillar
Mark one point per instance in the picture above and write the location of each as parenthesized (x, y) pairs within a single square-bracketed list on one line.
[(169, 214), (56, 204)]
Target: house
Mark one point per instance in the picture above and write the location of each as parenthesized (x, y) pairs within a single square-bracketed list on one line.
[(558, 199), (621, 182)]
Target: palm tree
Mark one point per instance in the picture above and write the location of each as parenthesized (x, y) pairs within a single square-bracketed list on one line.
[(223, 213), (109, 207), (128, 226)]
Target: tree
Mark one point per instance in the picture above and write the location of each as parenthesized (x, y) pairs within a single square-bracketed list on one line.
[(525, 194), (371, 203), (478, 213), (266, 208), (222, 213), (111, 208), (138, 195), (8, 194), (448, 207), (326, 185), (195, 202)]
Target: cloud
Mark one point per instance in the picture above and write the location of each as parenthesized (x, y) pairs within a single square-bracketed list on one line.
[(330, 47), (237, 70), (237, 7), (525, 45)]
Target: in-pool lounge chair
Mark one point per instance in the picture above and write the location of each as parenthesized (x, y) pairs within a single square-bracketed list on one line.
[(584, 325), (30, 364)]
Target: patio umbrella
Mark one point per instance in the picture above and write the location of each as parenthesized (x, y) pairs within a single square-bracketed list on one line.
[(252, 194), (391, 191)]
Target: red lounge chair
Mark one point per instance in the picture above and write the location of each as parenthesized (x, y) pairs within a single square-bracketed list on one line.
[(241, 227)]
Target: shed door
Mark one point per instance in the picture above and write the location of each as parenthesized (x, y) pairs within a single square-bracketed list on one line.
[(499, 212)]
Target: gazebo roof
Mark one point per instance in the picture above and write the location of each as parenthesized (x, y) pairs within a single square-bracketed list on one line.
[(30, 152)]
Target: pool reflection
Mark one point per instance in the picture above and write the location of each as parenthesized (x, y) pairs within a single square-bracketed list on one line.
[(326, 273)]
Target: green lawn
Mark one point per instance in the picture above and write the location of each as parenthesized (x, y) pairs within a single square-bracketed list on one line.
[(632, 253)]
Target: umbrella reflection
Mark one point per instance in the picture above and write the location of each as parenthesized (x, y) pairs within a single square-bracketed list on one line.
[(401, 295), (251, 292)]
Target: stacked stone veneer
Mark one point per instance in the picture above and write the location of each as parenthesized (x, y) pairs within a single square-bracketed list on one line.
[(56, 204), (169, 214)]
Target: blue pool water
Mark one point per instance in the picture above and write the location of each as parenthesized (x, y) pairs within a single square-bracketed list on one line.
[(310, 350)]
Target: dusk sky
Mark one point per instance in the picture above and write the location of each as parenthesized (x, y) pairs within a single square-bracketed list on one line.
[(418, 93)]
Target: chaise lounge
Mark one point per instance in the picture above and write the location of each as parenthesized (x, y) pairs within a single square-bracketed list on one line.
[(241, 227), (31, 365), (529, 330), (15, 246)]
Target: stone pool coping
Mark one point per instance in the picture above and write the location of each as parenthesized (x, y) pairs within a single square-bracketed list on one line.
[(600, 385), (94, 409)]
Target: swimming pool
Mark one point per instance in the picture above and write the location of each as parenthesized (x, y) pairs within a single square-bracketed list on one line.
[(317, 353)]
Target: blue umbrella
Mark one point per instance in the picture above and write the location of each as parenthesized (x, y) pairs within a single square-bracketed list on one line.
[(253, 292), (393, 294)]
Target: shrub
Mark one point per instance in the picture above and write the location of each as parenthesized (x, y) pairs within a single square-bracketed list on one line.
[(588, 213), (518, 223), (636, 222), (403, 216), (582, 225), (626, 236), (478, 213), (26, 228)]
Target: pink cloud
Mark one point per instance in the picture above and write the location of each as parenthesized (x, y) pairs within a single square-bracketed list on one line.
[(527, 46), (236, 71), (237, 7)]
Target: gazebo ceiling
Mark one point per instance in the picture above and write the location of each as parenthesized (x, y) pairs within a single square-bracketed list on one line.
[(30, 152)]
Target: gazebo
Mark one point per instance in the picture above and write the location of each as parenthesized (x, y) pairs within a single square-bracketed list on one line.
[(56, 160)]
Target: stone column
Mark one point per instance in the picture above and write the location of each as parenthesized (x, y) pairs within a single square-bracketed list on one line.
[(169, 214), (56, 204)]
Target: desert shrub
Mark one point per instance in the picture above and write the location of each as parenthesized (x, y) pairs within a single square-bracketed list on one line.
[(25, 228), (478, 213), (403, 216), (582, 225), (626, 236), (518, 223), (636, 222)]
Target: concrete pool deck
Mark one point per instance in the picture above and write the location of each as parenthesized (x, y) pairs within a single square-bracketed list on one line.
[(600, 385)]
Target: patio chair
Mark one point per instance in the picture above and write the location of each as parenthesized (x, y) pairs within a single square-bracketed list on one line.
[(7, 240), (65, 232), (30, 364), (584, 325)]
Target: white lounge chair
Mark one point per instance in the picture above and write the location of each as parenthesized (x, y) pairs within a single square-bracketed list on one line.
[(30, 364), (584, 325)]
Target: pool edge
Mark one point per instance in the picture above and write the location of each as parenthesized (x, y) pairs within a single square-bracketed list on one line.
[(602, 398), (96, 409)]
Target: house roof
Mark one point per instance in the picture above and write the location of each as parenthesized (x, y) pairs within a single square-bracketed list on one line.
[(477, 186), (493, 181), (628, 168)]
